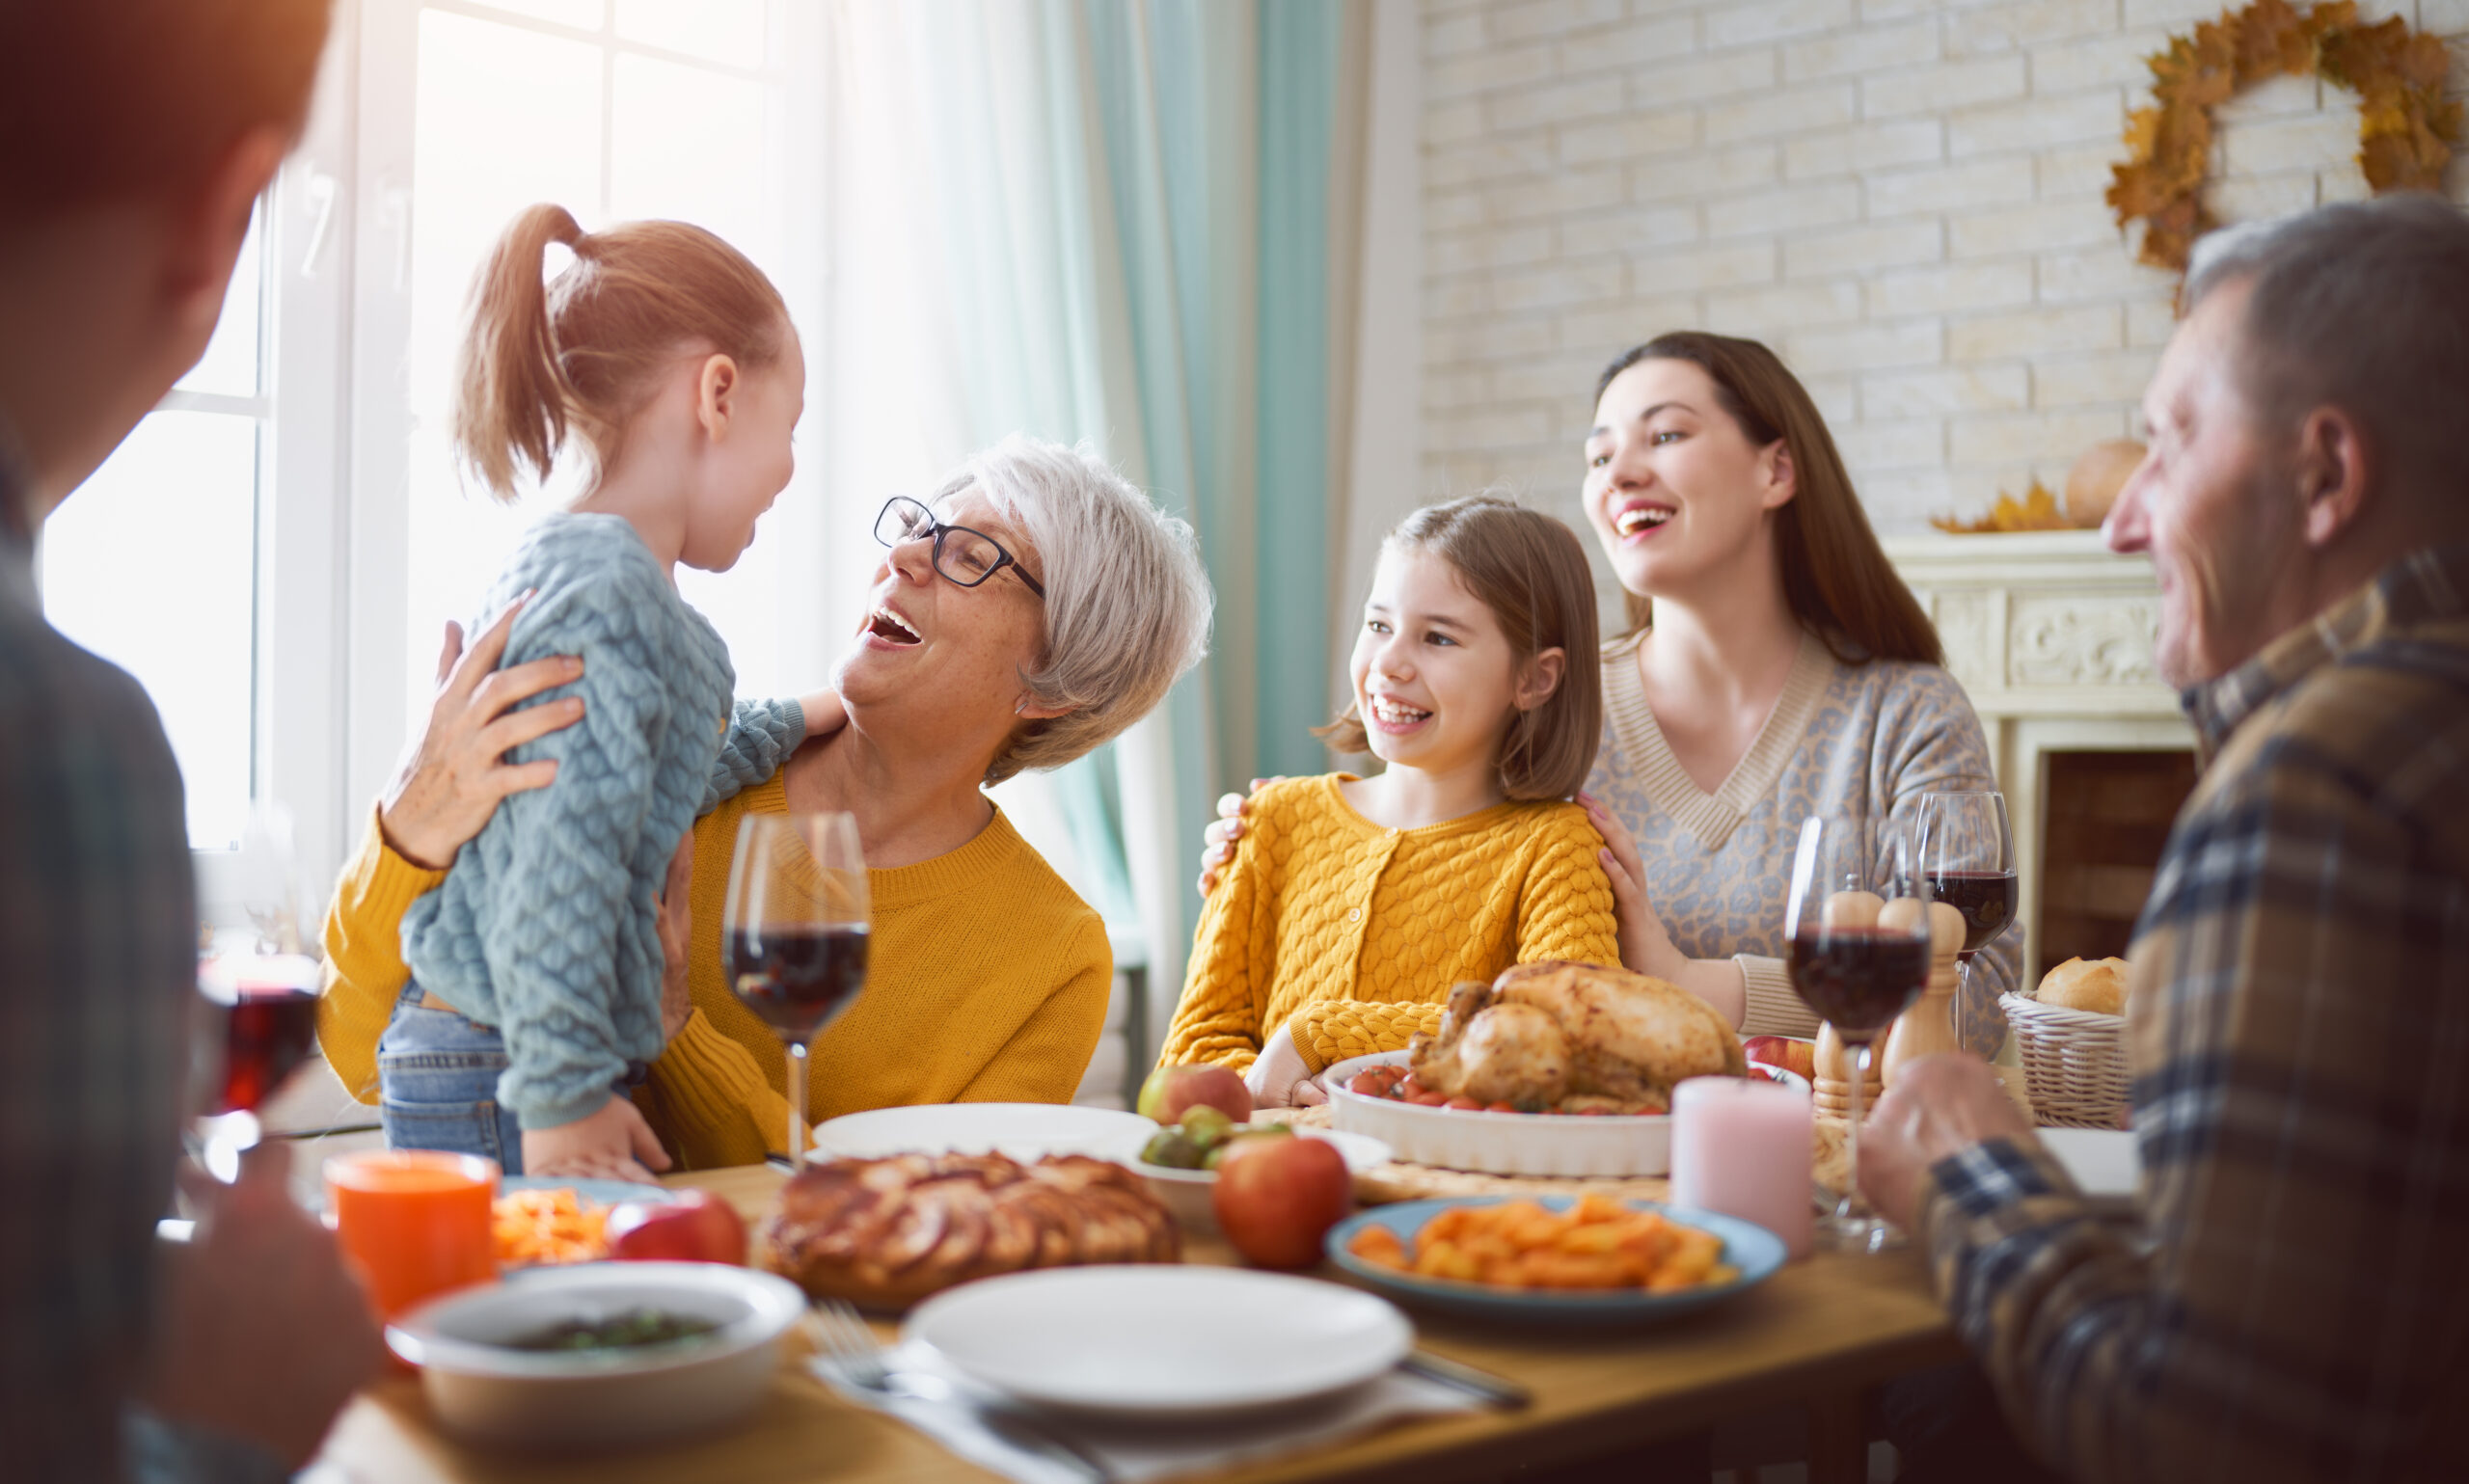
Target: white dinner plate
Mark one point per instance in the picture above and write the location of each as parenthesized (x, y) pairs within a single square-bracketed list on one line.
[(1155, 1342), (2103, 1161), (1024, 1131)]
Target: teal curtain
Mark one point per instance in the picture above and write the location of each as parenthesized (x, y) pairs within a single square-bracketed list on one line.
[(1300, 43), (1131, 216)]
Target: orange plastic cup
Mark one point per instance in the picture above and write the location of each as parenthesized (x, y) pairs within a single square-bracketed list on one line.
[(415, 1222)]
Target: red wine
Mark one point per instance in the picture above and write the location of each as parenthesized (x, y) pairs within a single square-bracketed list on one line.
[(1985, 897), (1858, 977), (798, 979), (270, 1030)]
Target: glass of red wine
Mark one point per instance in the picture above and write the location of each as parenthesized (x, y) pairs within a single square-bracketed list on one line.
[(259, 993), (796, 924), (1859, 956), (264, 1007), (1967, 854)]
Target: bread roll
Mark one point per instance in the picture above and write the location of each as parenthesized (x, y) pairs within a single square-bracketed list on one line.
[(2097, 985)]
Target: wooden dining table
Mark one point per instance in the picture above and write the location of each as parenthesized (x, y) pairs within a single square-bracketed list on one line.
[(1819, 1334)]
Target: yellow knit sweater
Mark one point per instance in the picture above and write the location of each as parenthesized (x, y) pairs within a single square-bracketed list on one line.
[(987, 982), (1352, 934)]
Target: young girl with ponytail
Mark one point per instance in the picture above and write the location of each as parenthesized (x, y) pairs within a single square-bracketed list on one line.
[(665, 360)]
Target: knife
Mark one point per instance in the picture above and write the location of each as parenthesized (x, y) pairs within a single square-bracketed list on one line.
[(1492, 1390), (1012, 1428)]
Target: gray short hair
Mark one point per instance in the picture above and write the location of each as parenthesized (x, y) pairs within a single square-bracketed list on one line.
[(1126, 600), (2364, 305)]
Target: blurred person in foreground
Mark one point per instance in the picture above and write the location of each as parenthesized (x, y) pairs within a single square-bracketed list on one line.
[(134, 136), (2290, 1299)]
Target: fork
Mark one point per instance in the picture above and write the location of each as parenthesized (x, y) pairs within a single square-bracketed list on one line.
[(852, 1355)]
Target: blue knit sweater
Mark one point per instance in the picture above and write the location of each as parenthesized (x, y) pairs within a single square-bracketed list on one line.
[(546, 928)]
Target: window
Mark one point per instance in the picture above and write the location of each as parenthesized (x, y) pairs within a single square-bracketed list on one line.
[(153, 565)]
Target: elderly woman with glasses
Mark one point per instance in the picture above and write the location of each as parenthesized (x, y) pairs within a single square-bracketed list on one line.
[(1031, 610)]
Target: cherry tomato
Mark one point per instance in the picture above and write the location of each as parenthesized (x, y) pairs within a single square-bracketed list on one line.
[(1464, 1103), (1500, 1107), (1426, 1099)]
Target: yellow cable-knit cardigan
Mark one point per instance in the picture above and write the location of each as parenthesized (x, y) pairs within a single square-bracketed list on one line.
[(1351, 935), (987, 982)]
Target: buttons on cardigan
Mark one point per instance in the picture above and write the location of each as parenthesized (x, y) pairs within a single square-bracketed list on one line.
[(1354, 914)]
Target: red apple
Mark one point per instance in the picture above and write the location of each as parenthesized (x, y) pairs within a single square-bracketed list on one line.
[(1277, 1197), (1171, 1089), (694, 1228)]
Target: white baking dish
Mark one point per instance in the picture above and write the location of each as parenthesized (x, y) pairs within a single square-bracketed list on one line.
[(1500, 1142)]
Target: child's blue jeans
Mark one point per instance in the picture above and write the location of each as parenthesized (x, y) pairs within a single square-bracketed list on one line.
[(437, 1085)]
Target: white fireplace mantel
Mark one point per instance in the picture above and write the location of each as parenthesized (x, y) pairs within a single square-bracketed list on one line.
[(2051, 634)]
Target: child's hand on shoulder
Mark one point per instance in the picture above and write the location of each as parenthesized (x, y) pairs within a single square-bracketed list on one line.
[(826, 712)]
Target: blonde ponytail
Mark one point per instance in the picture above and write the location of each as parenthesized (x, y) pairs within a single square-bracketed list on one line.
[(511, 401), (541, 359)]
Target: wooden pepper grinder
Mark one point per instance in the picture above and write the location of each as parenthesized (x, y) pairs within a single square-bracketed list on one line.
[(1929, 1024), (1832, 1087)]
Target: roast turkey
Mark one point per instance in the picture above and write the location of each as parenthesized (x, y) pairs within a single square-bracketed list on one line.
[(1570, 1037)]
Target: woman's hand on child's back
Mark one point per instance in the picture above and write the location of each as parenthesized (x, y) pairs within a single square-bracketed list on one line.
[(456, 776), (1224, 831), (1645, 945), (613, 1143)]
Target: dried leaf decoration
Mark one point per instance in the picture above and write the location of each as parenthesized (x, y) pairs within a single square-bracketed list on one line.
[(2037, 511), (2407, 127)]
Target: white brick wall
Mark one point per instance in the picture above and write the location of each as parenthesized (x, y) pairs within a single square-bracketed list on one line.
[(1902, 196)]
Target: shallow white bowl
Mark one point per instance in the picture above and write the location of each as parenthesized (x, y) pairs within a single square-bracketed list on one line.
[(485, 1391), (1499, 1143), (1024, 1131), (1191, 1194), (1158, 1343)]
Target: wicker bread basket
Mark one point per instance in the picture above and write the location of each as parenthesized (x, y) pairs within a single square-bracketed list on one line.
[(2074, 1063)]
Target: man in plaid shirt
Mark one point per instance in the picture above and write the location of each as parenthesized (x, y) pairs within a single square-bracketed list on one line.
[(2293, 1298), (134, 135)]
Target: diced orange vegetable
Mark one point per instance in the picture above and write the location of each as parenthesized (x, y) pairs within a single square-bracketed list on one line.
[(549, 1226), (1595, 1243), (1380, 1245)]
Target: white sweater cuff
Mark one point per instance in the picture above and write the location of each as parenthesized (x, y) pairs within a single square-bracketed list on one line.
[(1774, 1009)]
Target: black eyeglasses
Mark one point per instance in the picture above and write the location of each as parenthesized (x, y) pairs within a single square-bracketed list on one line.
[(964, 557)]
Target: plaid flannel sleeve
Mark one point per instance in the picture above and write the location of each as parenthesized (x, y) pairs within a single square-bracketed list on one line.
[(98, 975), (2294, 1303)]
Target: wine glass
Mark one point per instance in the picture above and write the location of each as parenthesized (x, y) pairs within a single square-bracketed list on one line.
[(1967, 856), (259, 993), (796, 924), (1858, 918)]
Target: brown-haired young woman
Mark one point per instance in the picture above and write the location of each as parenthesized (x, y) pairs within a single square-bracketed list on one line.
[(1776, 668)]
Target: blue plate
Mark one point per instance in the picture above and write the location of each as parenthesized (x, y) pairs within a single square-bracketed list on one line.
[(1746, 1246), (606, 1192)]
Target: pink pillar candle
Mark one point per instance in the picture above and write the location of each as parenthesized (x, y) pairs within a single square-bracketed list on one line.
[(1741, 1146)]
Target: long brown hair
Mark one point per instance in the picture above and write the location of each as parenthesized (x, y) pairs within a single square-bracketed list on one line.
[(1853, 600), (1530, 571), (538, 358)]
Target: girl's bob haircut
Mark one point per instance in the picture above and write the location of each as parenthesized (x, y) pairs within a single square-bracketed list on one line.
[(1530, 571)]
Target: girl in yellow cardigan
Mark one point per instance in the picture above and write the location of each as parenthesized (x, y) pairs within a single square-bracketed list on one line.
[(1352, 904)]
